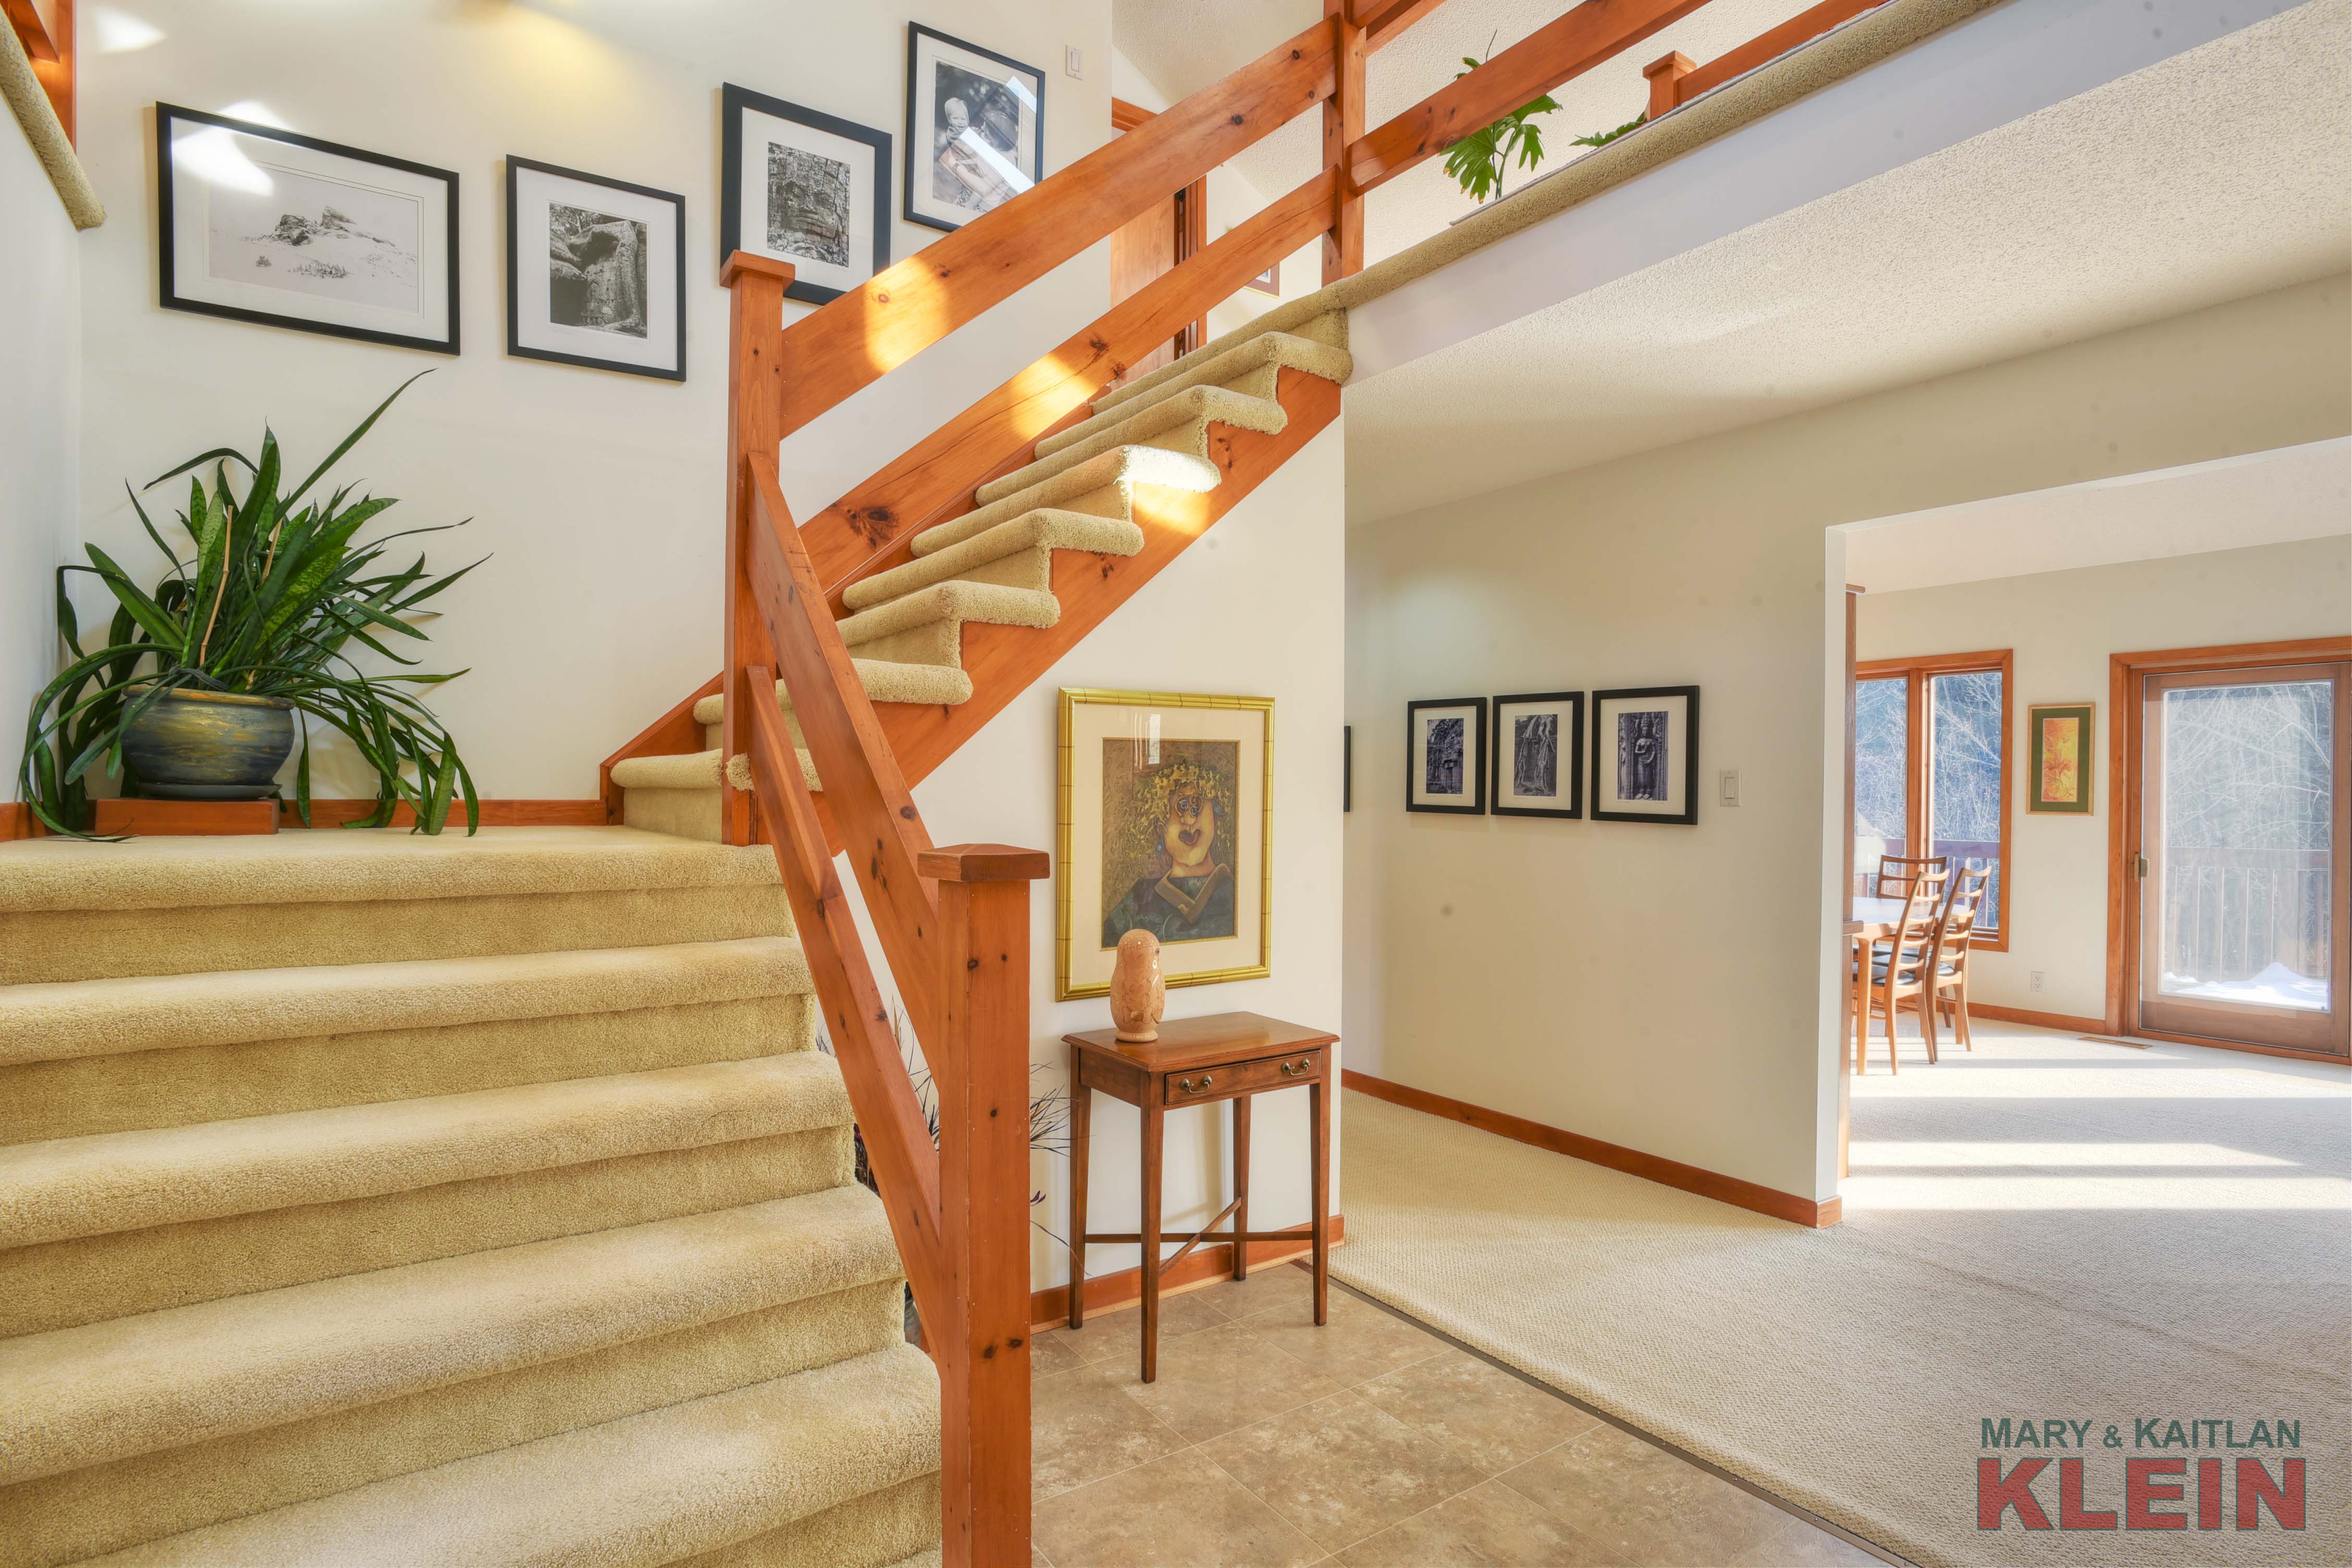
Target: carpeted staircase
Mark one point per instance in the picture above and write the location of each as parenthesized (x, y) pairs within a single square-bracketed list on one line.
[(375, 1199), (995, 563)]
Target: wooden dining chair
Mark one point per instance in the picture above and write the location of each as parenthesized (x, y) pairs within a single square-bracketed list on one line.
[(1947, 970), (1901, 972), (1896, 872)]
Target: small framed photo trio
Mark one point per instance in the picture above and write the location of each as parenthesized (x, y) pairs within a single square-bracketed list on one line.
[(1644, 747)]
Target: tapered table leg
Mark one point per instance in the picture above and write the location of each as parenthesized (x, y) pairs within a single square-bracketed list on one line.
[(1153, 1115), (1081, 1126), (1241, 1186)]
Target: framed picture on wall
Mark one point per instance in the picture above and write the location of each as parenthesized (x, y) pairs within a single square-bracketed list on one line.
[(1446, 756), (596, 271), (1539, 754), (1646, 755), (2062, 743), (805, 187), (975, 129), (1166, 826), (259, 225)]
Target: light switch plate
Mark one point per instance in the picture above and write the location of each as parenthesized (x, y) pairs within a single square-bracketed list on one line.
[(1075, 62), (1727, 787)]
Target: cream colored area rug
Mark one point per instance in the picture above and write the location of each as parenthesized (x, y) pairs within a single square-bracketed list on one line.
[(2048, 1229)]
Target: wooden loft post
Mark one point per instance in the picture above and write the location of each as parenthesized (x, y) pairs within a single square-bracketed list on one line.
[(755, 425), (1343, 125), (1665, 77), (979, 1061)]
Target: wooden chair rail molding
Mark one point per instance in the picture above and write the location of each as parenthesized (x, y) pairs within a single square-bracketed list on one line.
[(855, 340), (1674, 80)]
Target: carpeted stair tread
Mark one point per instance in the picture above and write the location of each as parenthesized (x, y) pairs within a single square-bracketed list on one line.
[(885, 681), (50, 1021), (1177, 424), (1317, 344), (334, 865), (109, 1182), (956, 602), (1117, 472), (692, 771), (642, 1490), (131, 1385), (1047, 527)]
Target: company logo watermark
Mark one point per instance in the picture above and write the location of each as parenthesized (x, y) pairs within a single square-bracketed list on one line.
[(2166, 1475)]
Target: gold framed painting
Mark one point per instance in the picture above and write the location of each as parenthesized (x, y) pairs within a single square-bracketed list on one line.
[(2063, 743), (1165, 819)]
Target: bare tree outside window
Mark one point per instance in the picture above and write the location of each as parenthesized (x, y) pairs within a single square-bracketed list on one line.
[(1882, 786), (1964, 777)]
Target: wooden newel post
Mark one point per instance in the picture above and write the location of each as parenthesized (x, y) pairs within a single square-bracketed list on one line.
[(1665, 77), (979, 1063), (1343, 126), (755, 424)]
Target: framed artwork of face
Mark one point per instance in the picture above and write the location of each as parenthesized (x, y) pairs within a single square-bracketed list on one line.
[(1166, 816)]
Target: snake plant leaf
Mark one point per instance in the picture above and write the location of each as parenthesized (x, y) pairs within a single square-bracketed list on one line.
[(218, 454), (145, 610), (352, 439), (320, 560)]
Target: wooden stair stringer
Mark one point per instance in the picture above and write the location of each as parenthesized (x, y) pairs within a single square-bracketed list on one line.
[(1005, 661)]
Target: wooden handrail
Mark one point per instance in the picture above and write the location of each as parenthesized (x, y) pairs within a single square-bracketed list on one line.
[(870, 331), (755, 412), (868, 800), (943, 469), (1546, 57), (1385, 21), (1675, 80)]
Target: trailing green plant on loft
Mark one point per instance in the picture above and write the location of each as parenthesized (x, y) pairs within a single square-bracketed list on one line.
[(1479, 162), (262, 610)]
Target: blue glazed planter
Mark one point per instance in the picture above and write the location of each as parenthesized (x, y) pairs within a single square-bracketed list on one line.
[(209, 745)]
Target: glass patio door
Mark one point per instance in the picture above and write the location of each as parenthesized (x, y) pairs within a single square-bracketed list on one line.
[(2242, 855)]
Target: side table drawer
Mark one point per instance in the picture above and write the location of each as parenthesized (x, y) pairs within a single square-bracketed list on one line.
[(1245, 1078)]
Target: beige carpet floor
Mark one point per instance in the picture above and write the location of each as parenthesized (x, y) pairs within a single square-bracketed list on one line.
[(2048, 1227)]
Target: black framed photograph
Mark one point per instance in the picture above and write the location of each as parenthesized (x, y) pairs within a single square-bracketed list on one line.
[(804, 187), (975, 129), (1646, 755), (1347, 767), (1539, 754), (1446, 756), (596, 271), (260, 224)]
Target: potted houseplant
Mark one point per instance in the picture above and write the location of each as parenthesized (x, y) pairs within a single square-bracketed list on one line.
[(206, 682)]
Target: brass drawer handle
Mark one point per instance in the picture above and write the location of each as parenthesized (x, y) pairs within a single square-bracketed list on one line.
[(1195, 1085), (1292, 1070)]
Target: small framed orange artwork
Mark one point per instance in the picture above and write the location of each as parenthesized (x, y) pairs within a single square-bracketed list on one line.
[(2063, 743)]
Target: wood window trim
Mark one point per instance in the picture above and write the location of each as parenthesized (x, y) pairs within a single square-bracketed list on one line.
[(2124, 672), (1918, 669)]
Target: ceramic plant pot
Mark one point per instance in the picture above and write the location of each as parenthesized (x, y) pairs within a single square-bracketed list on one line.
[(209, 745)]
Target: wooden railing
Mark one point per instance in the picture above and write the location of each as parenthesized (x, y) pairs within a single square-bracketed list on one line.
[(1675, 79), (953, 924)]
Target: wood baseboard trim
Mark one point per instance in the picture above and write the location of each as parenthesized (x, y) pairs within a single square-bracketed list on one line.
[(495, 814), (17, 821), (2067, 1021), (184, 818), (2324, 1058), (1816, 1214), (1209, 1262)]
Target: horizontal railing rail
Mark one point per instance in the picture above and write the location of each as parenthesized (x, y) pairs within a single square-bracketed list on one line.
[(1674, 80)]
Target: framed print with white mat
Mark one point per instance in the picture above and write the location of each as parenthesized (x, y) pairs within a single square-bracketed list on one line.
[(1646, 755)]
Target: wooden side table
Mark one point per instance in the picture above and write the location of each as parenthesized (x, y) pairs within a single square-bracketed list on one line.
[(1199, 1061)]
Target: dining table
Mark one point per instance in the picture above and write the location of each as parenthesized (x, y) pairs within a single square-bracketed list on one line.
[(1869, 921)]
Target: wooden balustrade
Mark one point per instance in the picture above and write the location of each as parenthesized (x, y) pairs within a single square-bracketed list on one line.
[(1674, 80)]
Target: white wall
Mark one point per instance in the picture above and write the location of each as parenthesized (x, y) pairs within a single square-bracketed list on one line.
[(598, 496), (1675, 989), (1253, 608), (40, 407), (2062, 627)]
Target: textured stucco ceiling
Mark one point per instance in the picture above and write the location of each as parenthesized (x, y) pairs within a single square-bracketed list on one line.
[(1182, 45), (2224, 172)]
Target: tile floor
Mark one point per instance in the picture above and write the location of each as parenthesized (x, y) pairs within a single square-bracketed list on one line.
[(1369, 1443)]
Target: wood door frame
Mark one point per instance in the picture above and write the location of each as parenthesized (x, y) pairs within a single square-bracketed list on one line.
[(1191, 217), (1918, 670), (2124, 671)]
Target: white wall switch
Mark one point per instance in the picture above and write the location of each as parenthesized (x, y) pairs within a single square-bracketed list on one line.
[(1075, 62), (1727, 787)]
